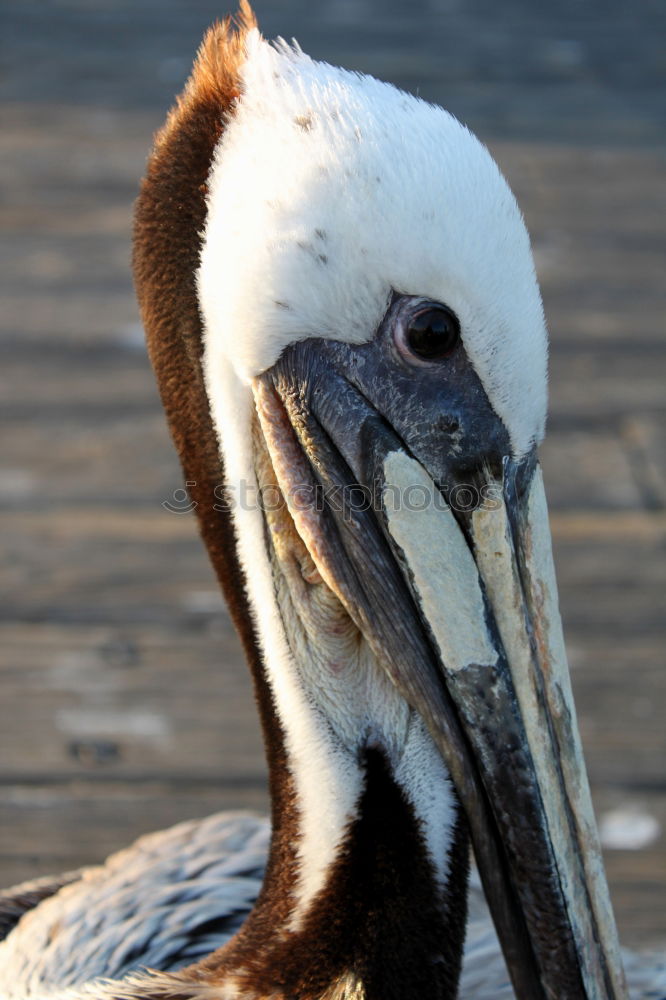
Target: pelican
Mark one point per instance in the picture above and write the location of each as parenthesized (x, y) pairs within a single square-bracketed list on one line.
[(342, 313)]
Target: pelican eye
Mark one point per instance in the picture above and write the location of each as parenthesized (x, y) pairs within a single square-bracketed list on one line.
[(432, 333)]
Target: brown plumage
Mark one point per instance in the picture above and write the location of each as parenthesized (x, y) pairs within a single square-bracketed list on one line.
[(169, 218), (170, 215)]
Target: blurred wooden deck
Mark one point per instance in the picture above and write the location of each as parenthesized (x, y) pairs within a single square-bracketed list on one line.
[(124, 702)]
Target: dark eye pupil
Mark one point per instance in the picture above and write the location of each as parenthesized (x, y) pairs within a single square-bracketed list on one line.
[(433, 333)]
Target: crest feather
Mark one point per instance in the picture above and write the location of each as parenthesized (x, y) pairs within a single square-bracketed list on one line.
[(215, 75)]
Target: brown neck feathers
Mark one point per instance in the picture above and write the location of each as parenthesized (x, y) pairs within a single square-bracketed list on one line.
[(380, 929), (170, 216)]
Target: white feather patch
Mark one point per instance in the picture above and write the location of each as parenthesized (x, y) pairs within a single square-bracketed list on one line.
[(330, 189)]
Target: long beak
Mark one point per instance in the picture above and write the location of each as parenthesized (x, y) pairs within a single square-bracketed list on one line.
[(458, 601)]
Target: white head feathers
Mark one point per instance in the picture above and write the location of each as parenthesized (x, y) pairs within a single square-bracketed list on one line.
[(328, 191)]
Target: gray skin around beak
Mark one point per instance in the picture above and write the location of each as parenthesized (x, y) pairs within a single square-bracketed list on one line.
[(400, 481)]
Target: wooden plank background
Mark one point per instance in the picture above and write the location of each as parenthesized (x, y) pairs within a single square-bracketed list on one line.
[(124, 703)]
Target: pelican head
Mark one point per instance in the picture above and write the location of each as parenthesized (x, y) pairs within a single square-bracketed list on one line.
[(343, 314)]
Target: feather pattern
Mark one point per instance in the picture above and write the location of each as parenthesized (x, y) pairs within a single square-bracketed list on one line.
[(174, 896), (166, 901)]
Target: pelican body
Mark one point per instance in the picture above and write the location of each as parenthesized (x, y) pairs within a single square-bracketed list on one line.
[(342, 313)]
